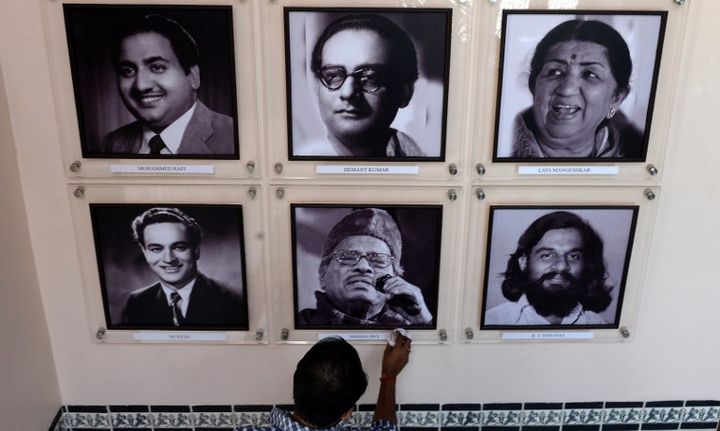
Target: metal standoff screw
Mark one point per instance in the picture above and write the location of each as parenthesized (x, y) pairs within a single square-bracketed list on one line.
[(285, 334), (480, 169), (250, 166), (259, 334), (280, 193), (469, 334), (624, 332), (100, 334), (649, 194), (79, 192), (443, 335), (452, 168), (680, 2), (652, 170), (252, 192), (75, 166), (480, 194), (278, 168), (452, 195)]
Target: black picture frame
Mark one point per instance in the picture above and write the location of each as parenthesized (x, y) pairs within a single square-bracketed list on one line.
[(614, 224), (90, 29), (424, 119), (421, 232), (515, 137), (123, 269)]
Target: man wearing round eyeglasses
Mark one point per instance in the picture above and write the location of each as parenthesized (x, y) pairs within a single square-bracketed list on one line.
[(361, 277), (366, 68)]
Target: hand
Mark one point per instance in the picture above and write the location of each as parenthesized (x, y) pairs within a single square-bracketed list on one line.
[(396, 357), (396, 287)]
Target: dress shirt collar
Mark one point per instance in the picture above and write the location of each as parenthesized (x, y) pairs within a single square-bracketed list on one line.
[(172, 135), (184, 293)]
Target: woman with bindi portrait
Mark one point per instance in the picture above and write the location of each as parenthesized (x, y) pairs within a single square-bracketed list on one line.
[(579, 77)]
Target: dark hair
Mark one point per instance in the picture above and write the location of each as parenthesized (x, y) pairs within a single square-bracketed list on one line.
[(182, 43), (597, 296), (165, 215), (403, 57), (328, 381), (586, 31)]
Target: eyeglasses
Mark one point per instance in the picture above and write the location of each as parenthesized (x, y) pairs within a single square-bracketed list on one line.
[(333, 77), (352, 257)]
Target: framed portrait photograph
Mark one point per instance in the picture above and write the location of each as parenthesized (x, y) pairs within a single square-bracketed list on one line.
[(362, 267), (556, 267), (171, 267), (577, 86), (154, 82), (367, 84)]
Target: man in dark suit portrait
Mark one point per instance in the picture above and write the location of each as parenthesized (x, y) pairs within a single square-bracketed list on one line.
[(170, 241), (158, 76)]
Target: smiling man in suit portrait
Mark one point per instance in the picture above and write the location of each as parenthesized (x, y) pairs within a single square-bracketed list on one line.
[(183, 296), (158, 76)]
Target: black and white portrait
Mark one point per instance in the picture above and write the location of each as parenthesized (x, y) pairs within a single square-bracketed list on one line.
[(577, 86), (367, 84), (556, 267), (153, 81), (366, 267), (174, 267)]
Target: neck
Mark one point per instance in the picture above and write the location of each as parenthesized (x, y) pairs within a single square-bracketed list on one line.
[(368, 145), (566, 148), (362, 309)]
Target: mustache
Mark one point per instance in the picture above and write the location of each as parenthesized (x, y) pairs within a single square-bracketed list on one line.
[(564, 275)]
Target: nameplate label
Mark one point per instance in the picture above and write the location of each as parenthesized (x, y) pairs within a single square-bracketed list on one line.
[(163, 169), (367, 170), (179, 336), (568, 170), (547, 335), (355, 337)]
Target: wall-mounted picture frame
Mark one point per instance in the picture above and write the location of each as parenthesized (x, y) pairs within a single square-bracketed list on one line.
[(557, 267), (577, 86), (154, 82), (367, 84), (366, 267), (170, 266)]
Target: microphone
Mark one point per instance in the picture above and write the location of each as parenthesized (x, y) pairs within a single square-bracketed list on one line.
[(406, 302)]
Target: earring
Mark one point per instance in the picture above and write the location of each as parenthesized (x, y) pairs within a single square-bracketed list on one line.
[(611, 113)]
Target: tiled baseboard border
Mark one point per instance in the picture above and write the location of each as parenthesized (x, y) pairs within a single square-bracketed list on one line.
[(588, 416)]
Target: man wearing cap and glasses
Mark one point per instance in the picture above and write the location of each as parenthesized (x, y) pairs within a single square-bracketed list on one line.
[(361, 277), (366, 68)]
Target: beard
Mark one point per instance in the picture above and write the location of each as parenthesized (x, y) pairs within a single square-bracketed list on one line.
[(555, 299)]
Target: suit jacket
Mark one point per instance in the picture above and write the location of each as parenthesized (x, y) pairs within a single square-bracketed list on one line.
[(207, 133), (211, 305)]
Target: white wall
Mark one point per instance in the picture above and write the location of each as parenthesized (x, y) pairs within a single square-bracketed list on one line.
[(674, 354), (29, 394)]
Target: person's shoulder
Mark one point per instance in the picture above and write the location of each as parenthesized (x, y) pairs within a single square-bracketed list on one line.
[(591, 318), (216, 288), (382, 425), (403, 145), (502, 314), (145, 291), (629, 137), (217, 119), (122, 139)]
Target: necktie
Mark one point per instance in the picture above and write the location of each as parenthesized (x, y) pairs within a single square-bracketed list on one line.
[(156, 144), (176, 310)]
